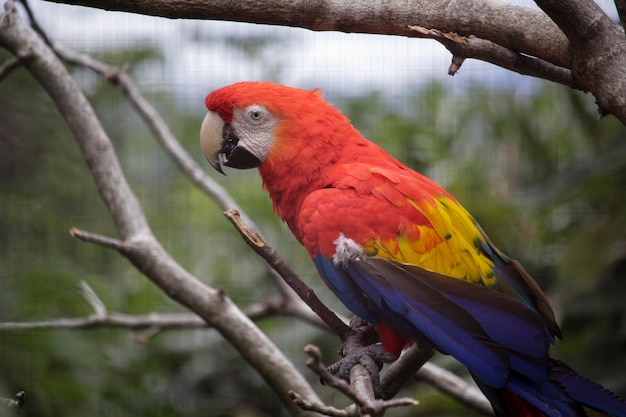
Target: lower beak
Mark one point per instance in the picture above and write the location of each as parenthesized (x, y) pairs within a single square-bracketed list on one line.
[(211, 139)]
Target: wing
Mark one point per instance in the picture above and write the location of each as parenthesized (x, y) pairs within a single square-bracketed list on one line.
[(397, 214), (422, 266)]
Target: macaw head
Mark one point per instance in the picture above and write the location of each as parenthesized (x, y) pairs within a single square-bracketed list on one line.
[(249, 123)]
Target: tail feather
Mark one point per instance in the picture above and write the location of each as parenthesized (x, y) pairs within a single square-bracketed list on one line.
[(520, 398), (586, 392)]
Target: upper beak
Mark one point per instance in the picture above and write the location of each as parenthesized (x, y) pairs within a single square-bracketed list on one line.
[(211, 139)]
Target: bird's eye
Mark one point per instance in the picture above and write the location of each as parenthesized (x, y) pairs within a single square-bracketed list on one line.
[(256, 114)]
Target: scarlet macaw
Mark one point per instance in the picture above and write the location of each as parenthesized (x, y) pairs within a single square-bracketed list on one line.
[(398, 250)]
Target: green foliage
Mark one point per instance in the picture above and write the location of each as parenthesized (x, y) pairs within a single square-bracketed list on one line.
[(539, 172)]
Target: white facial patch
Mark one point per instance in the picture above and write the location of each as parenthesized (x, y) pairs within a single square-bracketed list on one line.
[(255, 127), (346, 250)]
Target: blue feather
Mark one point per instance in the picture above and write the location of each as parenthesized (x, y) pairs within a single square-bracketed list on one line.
[(587, 392), (344, 289), (432, 317)]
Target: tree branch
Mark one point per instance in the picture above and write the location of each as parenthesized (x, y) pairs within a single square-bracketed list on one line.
[(456, 387), (513, 27), (307, 295), (404, 369), (620, 5), (597, 51), (173, 149), (472, 47), (159, 321), (584, 40), (162, 321), (140, 245)]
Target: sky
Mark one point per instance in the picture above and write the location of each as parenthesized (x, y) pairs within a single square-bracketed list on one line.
[(197, 59)]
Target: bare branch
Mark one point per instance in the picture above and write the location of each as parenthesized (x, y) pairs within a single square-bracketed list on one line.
[(513, 27), (173, 149), (451, 384), (101, 240), (472, 47), (93, 300), (319, 408), (584, 40), (598, 51), (307, 295), (159, 320), (404, 369), (620, 5), (140, 245)]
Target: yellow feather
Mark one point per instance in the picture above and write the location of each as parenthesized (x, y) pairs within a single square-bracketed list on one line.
[(450, 245)]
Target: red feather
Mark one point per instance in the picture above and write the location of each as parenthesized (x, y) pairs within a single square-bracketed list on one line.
[(516, 406), (392, 341)]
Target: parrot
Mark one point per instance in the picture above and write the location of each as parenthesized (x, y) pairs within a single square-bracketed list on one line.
[(398, 250)]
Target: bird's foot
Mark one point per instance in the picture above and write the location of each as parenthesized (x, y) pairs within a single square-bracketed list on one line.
[(361, 347)]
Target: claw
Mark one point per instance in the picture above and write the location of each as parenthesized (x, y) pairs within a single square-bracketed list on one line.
[(361, 347)]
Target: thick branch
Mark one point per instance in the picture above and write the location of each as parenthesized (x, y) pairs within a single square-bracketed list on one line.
[(594, 48), (140, 246), (597, 51), (513, 27)]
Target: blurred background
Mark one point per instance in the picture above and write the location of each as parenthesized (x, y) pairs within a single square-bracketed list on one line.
[(529, 159)]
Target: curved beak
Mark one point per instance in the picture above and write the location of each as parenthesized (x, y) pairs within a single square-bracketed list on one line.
[(221, 145), (211, 139)]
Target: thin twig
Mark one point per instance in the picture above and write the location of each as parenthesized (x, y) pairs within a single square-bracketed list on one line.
[(307, 295), (34, 23), (92, 299), (161, 321), (318, 408), (101, 240)]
